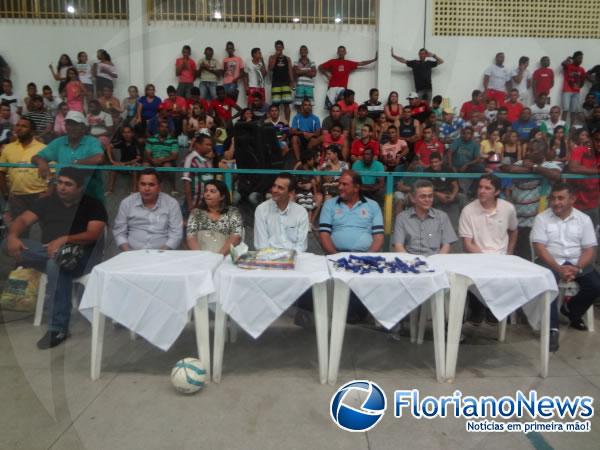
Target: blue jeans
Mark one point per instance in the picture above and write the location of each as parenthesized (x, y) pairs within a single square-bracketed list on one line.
[(60, 282), (208, 90)]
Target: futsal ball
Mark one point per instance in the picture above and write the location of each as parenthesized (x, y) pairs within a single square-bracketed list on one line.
[(188, 376)]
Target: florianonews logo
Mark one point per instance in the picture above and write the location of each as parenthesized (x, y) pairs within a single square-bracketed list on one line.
[(358, 405)]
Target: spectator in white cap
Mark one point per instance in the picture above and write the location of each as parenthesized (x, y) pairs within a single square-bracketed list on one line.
[(419, 108), (77, 147)]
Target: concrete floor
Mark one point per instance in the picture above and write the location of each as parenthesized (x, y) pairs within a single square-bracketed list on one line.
[(269, 396)]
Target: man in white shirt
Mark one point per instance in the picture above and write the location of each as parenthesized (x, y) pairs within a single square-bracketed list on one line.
[(255, 73), (521, 79), (496, 80), (564, 241), (487, 225), (279, 222), (554, 121), (540, 110)]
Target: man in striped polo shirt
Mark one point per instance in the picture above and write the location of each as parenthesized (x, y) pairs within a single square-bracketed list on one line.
[(42, 119), (162, 150), (200, 157)]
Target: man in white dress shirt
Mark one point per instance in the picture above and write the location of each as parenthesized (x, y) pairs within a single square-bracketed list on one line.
[(564, 241), (280, 222)]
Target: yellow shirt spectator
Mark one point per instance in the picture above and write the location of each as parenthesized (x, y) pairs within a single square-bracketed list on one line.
[(489, 146), (21, 180)]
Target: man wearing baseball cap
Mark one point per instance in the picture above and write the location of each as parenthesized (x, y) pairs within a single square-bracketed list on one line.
[(77, 147), (419, 108)]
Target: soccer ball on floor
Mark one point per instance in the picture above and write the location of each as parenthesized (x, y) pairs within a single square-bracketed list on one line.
[(188, 376)]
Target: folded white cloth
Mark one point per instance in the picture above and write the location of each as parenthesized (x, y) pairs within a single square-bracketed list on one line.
[(504, 282), (151, 291), (389, 297), (256, 298)]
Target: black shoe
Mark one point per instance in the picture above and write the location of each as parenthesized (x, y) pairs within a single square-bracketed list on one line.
[(554, 337), (304, 319), (476, 318), (490, 318), (52, 339), (578, 324)]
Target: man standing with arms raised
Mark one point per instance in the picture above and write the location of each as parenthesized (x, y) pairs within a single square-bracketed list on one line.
[(338, 71), (422, 71)]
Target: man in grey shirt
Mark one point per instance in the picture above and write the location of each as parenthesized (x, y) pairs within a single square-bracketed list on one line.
[(423, 230), (148, 219)]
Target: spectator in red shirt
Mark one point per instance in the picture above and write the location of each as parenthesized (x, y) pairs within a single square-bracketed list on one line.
[(476, 104), (195, 98), (177, 108), (419, 109), (585, 159), (338, 71), (513, 106), (426, 146), (543, 78), (222, 106), (573, 80), (185, 70), (348, 105), (366, 141)]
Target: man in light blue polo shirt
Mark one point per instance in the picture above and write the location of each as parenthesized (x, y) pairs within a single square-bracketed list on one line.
[(351, 222), (305, 129), (77, 147)]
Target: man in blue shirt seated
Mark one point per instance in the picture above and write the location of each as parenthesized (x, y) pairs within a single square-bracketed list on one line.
[(77, 147), (305, 129), (464, 156), (371, 186), (351, 223), (524, 125)]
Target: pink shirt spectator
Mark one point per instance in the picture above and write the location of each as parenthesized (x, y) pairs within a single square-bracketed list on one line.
[(488, 229), (75, 91), (186, 75), (233, 67)]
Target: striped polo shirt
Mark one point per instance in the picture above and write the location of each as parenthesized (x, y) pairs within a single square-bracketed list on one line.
[(161, 148)]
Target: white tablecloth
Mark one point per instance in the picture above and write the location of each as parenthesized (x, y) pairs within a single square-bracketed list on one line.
[(256, 298), (389, 297), (151, 291), (504, 282)]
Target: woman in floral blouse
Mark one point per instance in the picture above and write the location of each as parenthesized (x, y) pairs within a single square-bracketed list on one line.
[(215, 226)]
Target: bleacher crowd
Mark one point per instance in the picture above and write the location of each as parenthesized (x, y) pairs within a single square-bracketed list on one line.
[(508, 126)]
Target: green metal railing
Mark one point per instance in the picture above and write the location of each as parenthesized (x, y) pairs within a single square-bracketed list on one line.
[(389, 177)]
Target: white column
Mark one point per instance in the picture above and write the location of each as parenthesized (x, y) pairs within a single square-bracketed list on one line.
[(138, 19), (385, 33)]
